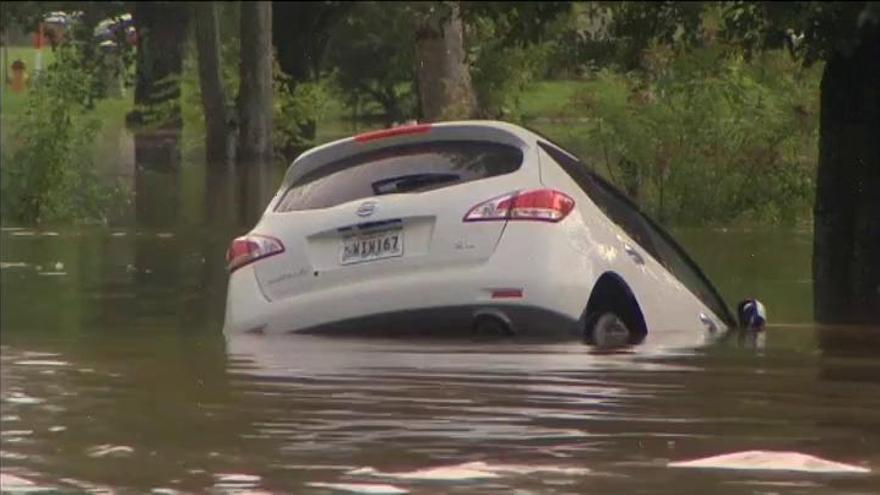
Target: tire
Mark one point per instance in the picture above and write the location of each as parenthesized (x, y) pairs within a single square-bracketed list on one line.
[(606, 330)]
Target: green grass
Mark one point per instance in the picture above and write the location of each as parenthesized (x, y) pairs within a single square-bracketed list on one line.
[(550, 99)]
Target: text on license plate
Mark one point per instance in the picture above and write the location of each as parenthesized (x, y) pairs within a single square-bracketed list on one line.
[(373, 246)]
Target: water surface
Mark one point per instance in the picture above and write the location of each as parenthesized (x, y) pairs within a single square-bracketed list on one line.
[(115, 375)]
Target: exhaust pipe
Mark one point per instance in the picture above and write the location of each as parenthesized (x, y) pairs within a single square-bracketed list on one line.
[(492, 321)]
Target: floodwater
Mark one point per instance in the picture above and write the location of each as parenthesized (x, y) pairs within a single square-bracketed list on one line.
[(116, 378)]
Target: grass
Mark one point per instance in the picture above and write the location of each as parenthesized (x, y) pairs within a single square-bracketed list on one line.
[(550, 99)]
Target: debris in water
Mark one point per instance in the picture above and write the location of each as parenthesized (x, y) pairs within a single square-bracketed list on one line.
[(366, 488), (59, 266), (763, 460)]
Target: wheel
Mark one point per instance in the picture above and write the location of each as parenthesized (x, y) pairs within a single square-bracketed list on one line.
[(606, 330)]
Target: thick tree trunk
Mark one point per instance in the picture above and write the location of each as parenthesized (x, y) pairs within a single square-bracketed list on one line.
[(161, 35), (217, 132), (846, 246), (255, 93), (444, 78)]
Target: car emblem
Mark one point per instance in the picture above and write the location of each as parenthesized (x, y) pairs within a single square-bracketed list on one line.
[(366, 209)]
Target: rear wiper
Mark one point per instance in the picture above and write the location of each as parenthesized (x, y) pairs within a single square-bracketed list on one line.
[(404, 183)]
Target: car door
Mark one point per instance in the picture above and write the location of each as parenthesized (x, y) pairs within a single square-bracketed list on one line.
[(668, 285)]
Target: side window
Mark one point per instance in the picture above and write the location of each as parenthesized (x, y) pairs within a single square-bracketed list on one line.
[(641, 229), (614, 204)]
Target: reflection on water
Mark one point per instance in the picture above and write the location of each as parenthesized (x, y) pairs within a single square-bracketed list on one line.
[(115, 375)]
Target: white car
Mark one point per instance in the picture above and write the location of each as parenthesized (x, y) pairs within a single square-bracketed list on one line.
[(471, 226)]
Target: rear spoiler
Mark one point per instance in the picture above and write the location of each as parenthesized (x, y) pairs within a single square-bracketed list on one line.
[(493, 131)]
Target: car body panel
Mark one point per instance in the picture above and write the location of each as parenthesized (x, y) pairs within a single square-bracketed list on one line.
[(449, 263)]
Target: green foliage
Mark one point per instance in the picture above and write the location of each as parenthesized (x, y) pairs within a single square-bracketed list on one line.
[(810, 30), (501, 71), (709, 139), (50, 175), (373, 56), (297, 108)]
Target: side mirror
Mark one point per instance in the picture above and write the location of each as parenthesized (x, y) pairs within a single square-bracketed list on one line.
[(751, 315)]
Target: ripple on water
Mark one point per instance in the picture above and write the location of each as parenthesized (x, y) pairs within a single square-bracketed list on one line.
[(13, 264), (470, 472), (41, 362), (23, 399), (761, 460), (108, 450), (365, 488), (235, 481)]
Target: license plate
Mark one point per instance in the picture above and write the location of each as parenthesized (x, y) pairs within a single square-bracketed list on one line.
[(372, 246)]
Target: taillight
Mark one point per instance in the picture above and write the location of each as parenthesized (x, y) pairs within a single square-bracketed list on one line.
[(546, 205), (249, 248)]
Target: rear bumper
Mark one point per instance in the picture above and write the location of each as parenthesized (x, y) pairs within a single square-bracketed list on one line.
[(555, 288)]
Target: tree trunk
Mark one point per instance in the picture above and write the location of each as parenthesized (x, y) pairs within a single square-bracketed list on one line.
[(255, 93), (217, 142), (443, 75), (161, 35), (846, 244)]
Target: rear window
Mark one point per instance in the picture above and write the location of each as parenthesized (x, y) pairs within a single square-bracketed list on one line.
[(408, 168)]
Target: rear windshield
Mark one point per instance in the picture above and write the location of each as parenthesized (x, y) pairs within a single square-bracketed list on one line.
[(406, 168)]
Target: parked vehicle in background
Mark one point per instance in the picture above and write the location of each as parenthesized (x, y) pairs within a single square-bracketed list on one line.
[(475, 225), (116, 28)]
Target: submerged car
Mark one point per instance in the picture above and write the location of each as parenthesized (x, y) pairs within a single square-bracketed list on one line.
[(476, 226)]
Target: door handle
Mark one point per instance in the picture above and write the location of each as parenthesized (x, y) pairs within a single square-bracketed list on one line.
[(708, 323), (631, 251)]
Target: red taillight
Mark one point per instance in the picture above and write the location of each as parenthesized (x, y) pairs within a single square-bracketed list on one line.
[(249, 248), (546, 205), (394, 131)]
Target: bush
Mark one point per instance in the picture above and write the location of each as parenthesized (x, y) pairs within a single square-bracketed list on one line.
[(50, 175), (500, 71), (709, 139), (297, 109)]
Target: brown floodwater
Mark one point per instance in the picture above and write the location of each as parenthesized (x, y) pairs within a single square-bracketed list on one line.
[(116, 377)]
